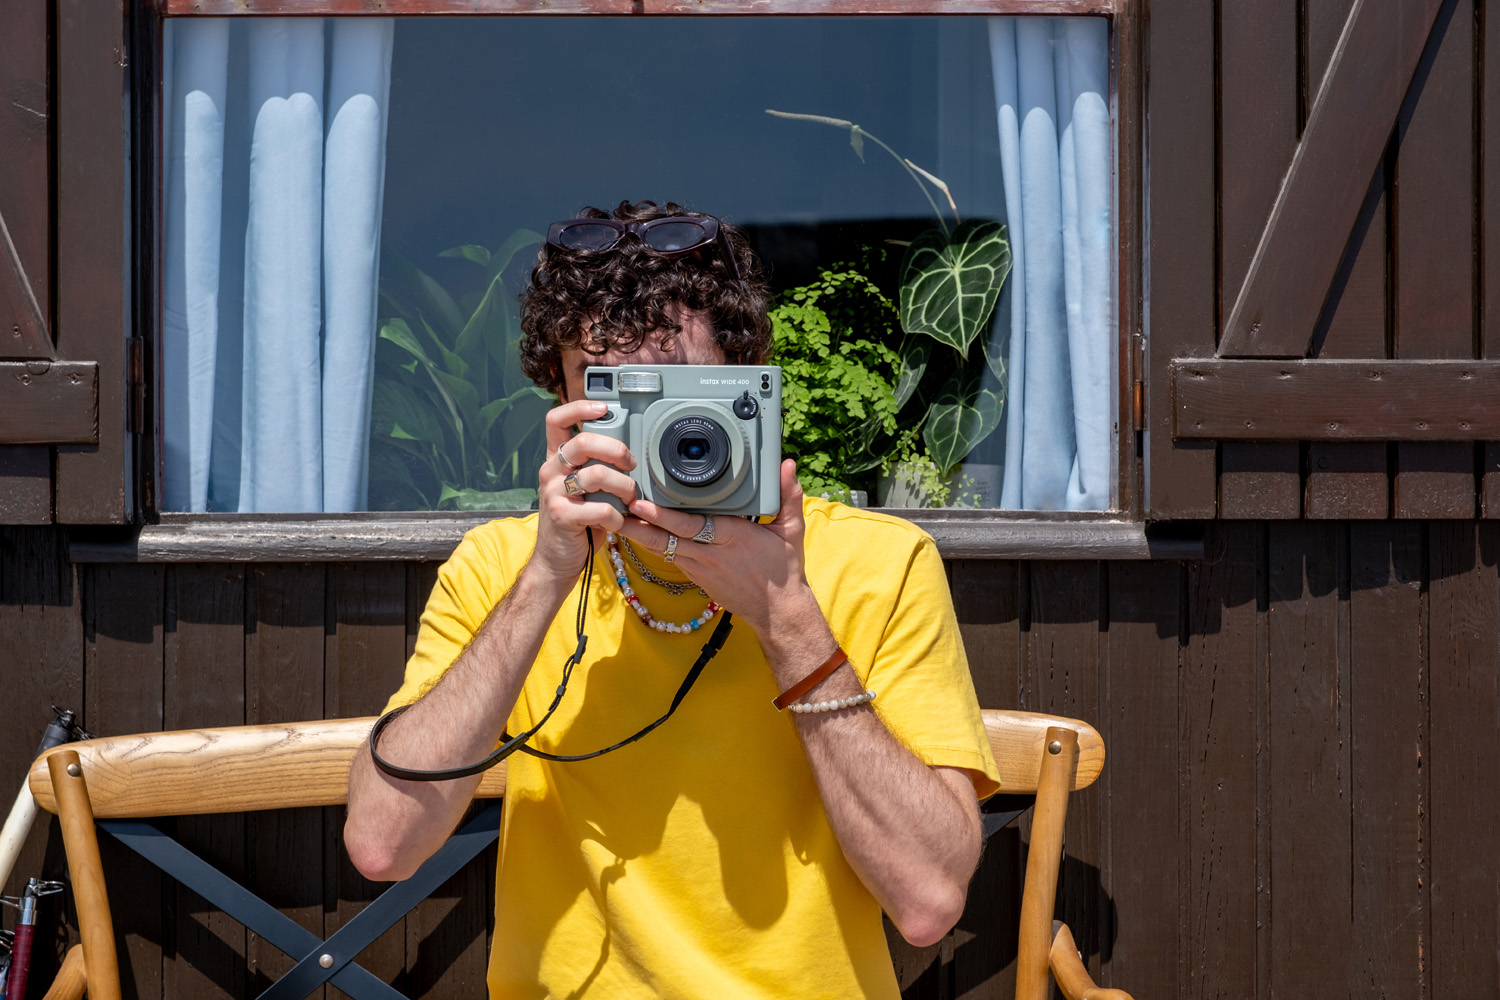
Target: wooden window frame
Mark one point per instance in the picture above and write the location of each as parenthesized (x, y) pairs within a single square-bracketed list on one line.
[(1119, 532)]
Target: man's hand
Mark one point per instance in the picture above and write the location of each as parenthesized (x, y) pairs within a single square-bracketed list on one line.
[(561, 544), (753, 570), (909, 831)]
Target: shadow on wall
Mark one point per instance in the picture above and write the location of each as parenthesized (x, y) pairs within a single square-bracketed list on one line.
[(1271, 563), (34, 567)]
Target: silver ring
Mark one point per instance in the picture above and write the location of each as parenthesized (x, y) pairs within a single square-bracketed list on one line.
[(706, 535), (570, 483), (670, 552), (564, 462)]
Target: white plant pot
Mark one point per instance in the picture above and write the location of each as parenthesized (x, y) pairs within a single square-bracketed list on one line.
[(902, 488)]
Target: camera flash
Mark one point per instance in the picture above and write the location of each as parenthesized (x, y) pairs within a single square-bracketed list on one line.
[(640, 381)]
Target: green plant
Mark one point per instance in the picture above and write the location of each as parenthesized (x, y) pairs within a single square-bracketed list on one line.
[(950, 281), (832, 338), (455, 425)]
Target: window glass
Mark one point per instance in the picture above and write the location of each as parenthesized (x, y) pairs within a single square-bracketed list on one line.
[(352, 207)]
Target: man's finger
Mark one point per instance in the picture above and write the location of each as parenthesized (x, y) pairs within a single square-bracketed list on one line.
[(791, 495), (597, 478), (561, 418), (648, 537), (588, 445), (679, 523), (580, 514)]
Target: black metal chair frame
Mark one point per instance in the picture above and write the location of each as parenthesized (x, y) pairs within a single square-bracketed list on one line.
[(318, 961)]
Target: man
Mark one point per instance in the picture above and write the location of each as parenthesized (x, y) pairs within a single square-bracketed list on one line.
[(738, 850)]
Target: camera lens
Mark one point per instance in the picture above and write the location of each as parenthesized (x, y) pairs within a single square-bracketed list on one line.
[(694, 450)]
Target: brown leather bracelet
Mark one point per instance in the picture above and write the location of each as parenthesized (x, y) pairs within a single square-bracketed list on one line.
[(812, 680)]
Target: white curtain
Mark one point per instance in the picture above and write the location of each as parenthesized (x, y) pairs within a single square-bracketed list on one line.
[(1051, 78), (275, 170)]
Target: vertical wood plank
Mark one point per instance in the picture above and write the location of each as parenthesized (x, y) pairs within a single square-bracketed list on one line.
[(1062, 671), (1388, 708), (1465, 742), (1138, 720), (364, 655), (1349, 479), (42, 625), (1434, 251), (205, 686), (123, 657), (983, 945), (93, 272), (985, 595), (1223, 663), (1257, 129), (1128, 34), (25, 209), (1325, 21), (420, 579), (25, 127), (1181, 284), (25, 484), (1489, 213), (446, 938), (1311, 933), (284, 619)]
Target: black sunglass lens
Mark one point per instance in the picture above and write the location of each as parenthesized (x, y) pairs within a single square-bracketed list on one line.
[(670, 236), (588, 237)]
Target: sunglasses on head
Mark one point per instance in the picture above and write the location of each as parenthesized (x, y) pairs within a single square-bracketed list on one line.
[(671, 236)]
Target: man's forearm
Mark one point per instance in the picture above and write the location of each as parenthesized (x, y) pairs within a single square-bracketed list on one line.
[(394, 825), (910, 833)]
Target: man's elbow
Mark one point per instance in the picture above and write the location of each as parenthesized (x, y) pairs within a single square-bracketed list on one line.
[(374, 856), (926, 920)]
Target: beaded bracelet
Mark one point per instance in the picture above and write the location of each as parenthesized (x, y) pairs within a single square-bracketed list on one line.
[(835, 705)]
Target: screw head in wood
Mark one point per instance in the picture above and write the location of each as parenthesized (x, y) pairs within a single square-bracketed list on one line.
[(1055, 747), (325, 960), (74, 771)]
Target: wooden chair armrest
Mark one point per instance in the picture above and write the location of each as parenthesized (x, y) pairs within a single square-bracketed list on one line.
[(1018, 739), (1069, 971), (229, 769)]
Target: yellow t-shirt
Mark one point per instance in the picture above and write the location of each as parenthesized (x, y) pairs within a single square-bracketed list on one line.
[(698, 862)]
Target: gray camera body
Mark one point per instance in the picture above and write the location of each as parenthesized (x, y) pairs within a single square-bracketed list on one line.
[(706, 438)]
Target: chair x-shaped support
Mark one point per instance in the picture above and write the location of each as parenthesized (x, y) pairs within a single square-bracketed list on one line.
[(320, 961)]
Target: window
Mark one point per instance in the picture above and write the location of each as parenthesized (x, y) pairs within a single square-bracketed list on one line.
[(351, 207)]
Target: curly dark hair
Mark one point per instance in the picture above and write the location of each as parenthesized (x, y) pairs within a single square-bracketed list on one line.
[(600, 300)]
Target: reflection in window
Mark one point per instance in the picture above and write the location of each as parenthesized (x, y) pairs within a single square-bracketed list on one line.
[(353, 205)]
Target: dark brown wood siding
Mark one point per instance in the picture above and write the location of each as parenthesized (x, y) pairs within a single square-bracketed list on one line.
[(1232, 88), (26, 253), (1300, 732)]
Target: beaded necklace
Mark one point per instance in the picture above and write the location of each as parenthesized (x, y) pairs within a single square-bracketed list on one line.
[(692, 624)]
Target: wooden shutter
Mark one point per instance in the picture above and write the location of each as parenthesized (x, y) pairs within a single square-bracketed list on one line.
[(64, 283), (1347, 289)]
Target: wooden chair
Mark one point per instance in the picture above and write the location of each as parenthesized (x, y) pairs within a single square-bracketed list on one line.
[(1047, 756), (115, 783)]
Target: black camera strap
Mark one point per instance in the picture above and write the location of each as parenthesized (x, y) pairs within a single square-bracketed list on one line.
[(510, 744), (710, 650)]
